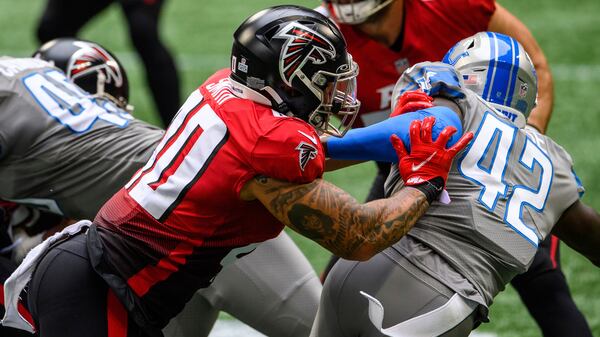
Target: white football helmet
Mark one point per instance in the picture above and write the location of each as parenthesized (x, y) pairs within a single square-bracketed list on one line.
[(497, 68), (354, 12)]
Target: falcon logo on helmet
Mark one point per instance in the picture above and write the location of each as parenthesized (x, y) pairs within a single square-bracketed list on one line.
[(306, 153), (92, 57), (303, 44)]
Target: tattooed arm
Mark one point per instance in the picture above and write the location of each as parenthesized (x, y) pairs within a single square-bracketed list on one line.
[(328, 215), (335, 220)]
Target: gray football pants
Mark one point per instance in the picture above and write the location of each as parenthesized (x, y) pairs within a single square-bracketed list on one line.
[(274, 290), (404, 291)]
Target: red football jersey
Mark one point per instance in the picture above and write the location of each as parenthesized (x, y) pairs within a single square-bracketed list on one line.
[(431, 28), (180, 217)]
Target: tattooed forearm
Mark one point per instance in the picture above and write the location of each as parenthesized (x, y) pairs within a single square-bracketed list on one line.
[(334, 219)]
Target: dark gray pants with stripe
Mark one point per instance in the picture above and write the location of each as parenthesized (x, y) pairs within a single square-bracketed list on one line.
[(404, 291)]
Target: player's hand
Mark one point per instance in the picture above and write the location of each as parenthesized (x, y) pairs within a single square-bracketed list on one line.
[(427, 159), (413, 100)]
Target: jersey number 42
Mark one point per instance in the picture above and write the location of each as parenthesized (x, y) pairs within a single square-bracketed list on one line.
[(496, 138)]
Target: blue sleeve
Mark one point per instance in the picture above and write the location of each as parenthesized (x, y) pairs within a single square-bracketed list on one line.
[(373, 142)]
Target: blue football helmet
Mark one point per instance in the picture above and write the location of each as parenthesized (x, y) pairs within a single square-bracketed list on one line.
[(496, 67)]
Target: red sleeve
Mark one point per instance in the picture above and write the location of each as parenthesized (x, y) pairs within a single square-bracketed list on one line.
[(291, 151)]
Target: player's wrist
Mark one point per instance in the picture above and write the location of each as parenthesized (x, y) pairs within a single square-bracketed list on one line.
[(431, 188)]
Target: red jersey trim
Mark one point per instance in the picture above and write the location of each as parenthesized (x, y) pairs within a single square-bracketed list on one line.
[(116, 316), (146, 278)]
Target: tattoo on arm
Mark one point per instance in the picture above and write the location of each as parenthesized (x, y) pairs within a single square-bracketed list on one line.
[(334, 219)]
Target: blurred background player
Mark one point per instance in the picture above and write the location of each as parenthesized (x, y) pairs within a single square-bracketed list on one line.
[(64, 18), (509, 188), (386, 37)]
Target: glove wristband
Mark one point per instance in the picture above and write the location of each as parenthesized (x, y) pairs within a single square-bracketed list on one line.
[(431, 188)]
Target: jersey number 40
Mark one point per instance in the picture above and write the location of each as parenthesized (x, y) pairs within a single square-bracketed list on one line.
[(496, 138), (69, 105)]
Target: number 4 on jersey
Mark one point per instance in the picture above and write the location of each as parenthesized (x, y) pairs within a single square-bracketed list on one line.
[(68, 104)]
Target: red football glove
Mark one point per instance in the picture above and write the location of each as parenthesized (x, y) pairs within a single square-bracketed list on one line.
[(412, 101), (427, 159)]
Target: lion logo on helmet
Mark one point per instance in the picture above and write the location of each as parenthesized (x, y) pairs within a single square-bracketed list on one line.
[(303, 45)]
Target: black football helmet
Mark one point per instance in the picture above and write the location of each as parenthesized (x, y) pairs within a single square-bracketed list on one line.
[(295, 60), (90, 66)]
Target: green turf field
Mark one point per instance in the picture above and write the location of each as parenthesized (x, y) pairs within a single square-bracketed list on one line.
[(199, 33)]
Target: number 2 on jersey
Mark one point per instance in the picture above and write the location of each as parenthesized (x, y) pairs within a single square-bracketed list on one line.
[(496, 138), (68, 104)]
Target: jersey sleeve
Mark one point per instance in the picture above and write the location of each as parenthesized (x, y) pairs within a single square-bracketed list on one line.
[(290, 151), (373, 142), (561, 158)]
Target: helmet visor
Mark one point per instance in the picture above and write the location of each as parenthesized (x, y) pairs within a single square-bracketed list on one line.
[(339, 104)]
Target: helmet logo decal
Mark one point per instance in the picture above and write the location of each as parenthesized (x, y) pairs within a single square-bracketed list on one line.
[(92, 57), (303, 44), (306, 153), (523, 88)]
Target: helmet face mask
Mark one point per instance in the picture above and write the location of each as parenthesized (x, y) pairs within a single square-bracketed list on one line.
[(295, 60), (354, 12), (338, 98), (91, 67), (498, 69)]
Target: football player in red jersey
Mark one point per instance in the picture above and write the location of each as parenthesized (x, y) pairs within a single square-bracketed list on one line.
[(385, 37), (241, 159)]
